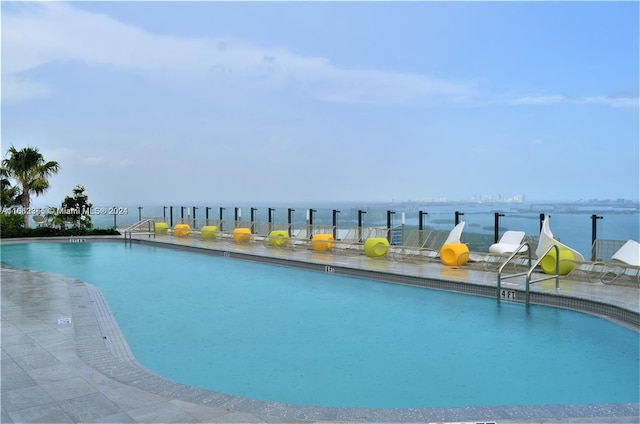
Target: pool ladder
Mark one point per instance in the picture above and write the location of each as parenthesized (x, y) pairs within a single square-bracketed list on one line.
[(139, 228), (531, 266)]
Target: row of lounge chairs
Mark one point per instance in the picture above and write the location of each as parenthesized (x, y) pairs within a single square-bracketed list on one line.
[(621, 266), (421, 246)]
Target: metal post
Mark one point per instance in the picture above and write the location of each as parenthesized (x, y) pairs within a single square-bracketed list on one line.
[(457, 217), (310, 222), (182, 214), (360, 213), (164, 213), (206, 213), (334, 222), (594, 233), (115, 224), (270, 218), (170, 216), (496, 226), (194, 217), (221, 219), (420, 225), (290, 220), (420, 216), (253, 219), (311, 211), (389, 225)]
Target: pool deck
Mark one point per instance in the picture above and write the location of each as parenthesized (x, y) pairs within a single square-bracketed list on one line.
[(65, 360)]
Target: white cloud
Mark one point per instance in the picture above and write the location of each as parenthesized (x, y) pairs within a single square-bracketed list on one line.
[(37, 34), (40, 33), (539, 100), (59, 154), (367, 86), (16, 88), (84, 159), (560, 99), (611, 101)]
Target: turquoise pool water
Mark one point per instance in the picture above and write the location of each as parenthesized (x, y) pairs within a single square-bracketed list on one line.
[(287, 335)]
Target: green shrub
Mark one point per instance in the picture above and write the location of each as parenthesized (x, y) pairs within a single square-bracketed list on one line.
[(11, 231), (11, 220)]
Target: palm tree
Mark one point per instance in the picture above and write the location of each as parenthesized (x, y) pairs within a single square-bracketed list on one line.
[(29, 169), (10, 193)]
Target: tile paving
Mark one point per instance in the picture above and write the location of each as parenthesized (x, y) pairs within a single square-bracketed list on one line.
[(82, 370)]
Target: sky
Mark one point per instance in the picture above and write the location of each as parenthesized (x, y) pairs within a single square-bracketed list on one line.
[(213, 102)]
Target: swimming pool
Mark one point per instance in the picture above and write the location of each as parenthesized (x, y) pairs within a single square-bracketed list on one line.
[(309, 338)]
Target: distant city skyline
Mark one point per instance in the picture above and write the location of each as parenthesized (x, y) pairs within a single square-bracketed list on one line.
[(520, 198), (306, 102)]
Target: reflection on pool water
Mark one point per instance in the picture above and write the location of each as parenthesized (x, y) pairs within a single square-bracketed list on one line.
[(294, 336)]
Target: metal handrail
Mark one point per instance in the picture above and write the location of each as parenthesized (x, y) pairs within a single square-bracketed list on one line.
[(556, 275), (150, 222), (500, 277), (528, 273), (132, 227)]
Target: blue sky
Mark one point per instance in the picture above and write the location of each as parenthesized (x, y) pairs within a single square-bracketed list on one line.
[(260, 102)]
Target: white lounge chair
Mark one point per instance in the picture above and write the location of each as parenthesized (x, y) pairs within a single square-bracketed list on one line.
[(628, 254), (508, 243), (568, 257), (623, 268), (417, 239), (430, 247), (546, 241), (456, 234)]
